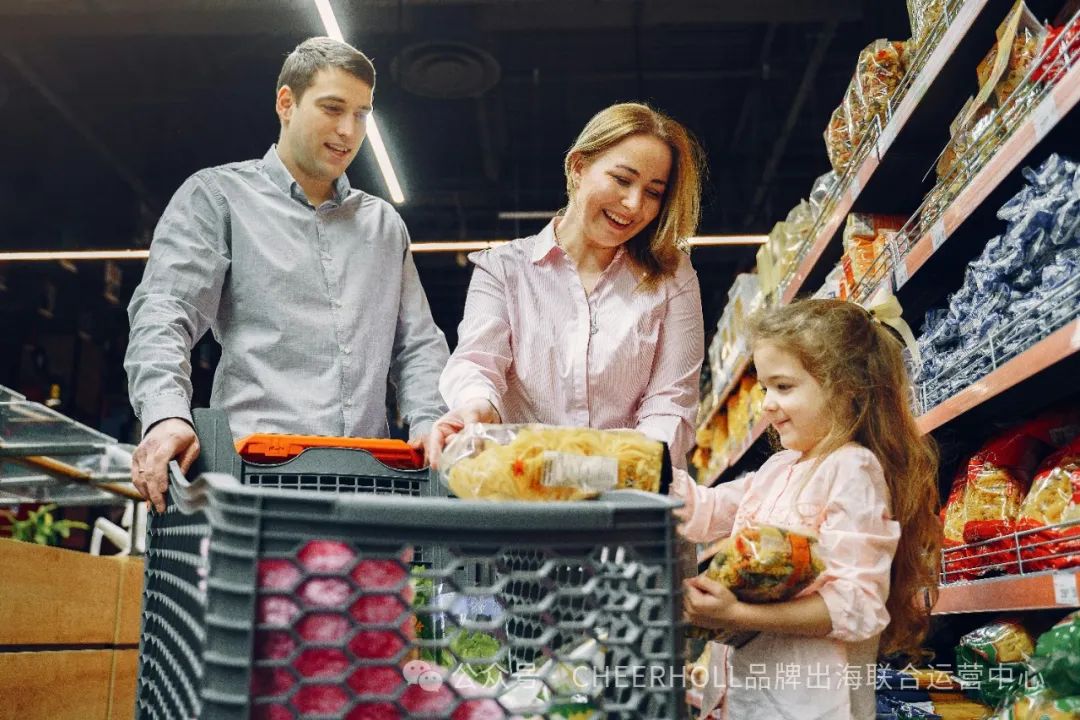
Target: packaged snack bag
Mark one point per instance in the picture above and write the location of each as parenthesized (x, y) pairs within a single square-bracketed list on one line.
[(1057, 656), (759, 565), (997, 653), (537, 462)]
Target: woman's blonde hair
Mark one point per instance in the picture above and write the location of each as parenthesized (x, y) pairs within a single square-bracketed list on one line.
[(656, 248), (861, 370)]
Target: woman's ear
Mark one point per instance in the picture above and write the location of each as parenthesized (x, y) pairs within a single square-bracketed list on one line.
[(577, 167)]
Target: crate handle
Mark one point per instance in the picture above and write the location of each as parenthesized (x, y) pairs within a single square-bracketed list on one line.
[(190, 496)]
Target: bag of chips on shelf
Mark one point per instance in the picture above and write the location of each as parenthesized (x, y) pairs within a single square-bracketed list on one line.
[(822, 190), (864, 241), (1057, 656), (992, 659), (879, 71), (924, 16), (538, 462), (759, 565)]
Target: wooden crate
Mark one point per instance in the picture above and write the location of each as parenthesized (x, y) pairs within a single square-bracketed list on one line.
[(69, 634)]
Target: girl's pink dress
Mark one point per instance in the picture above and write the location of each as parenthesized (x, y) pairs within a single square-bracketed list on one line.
[(844, 502)]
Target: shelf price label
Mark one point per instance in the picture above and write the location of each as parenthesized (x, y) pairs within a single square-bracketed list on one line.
[(937, 234), (1065, 589), (885, 140), (901, 274), (1045, 117)]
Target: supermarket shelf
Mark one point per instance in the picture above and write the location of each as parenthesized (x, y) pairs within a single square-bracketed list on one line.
[(1040, 591), (889, 177), (1043, 118), (756, 431), (733, 381), (1056, 347)]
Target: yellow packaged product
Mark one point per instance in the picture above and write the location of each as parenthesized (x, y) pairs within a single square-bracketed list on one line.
[(1019, 41), (1056, 485), (538, 462), (838, 144)]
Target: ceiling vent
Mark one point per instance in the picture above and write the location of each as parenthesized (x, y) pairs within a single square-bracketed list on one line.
[(445, 70)]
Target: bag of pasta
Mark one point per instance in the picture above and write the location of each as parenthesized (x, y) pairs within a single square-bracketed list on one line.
[(879, 70), (1019, 41), (992, 660), (838, 142), (762, 564), (1056, 484), (924, 16), (539, 462)]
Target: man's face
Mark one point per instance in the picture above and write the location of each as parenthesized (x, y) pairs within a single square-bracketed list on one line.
[(323, 131)]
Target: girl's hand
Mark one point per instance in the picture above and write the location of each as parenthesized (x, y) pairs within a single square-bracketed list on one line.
[(708, 603)]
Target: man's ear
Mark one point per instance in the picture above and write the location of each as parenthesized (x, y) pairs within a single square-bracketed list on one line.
[(286, 101)]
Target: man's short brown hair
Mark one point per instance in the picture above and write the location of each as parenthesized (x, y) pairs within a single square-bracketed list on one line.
[(319, 53)]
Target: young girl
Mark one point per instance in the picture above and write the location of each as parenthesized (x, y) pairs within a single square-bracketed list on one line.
[(857, 474)]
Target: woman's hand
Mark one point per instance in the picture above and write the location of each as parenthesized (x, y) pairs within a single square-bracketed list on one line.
[(709, 604), (479, 410)]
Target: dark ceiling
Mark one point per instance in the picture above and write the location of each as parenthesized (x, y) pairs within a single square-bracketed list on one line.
[(108, 105)]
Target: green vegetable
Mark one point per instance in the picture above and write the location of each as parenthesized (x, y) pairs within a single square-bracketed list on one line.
[(475, 645)]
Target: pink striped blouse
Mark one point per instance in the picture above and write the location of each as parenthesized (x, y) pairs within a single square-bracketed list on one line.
[(541, 350)]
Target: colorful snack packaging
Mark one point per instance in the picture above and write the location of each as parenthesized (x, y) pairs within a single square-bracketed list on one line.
[(759, 565), (997, 654)]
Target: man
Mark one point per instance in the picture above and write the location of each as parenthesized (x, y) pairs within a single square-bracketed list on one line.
[(308, 285)]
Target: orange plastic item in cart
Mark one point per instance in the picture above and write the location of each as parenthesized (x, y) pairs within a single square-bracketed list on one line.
[(269, 448)]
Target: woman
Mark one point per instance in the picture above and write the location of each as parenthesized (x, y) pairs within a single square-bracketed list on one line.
[(595, 321)]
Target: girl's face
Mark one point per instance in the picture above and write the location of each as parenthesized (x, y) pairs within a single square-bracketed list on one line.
[(795, 402), (620, 191)]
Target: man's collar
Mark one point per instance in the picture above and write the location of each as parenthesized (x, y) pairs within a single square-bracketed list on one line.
[(281, 177)]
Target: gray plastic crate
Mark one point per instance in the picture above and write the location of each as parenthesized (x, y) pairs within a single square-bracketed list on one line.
[(172, 644), (331, 637)]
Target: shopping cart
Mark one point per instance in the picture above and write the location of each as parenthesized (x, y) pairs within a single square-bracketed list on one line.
[(263, 602)]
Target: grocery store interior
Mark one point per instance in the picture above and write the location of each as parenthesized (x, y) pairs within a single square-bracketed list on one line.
[(918, 157)]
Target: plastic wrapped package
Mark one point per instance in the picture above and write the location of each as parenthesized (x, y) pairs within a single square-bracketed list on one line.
[(838, 142), (924, 16), (537, 462), (1019, 41), (821, 191), (762, 564), (956, 564), (997, 654), (1057, 656), (864, 241), (766, 271), (879, 72), (1056, 486), (1055, 49)]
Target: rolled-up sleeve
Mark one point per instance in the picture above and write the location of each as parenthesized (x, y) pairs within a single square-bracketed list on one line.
[(708, 513), (668, 407), (420, 351), (177, 300), (858, 540), (478, 366)]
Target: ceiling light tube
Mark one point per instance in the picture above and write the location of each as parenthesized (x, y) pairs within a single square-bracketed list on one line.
[(527, 215), (73, 255), (329, 21)]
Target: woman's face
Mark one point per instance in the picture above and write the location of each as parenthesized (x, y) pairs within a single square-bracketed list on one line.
[(619, 192)]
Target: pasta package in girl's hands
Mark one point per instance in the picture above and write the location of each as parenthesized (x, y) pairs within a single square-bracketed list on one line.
[(542, 463), (759, 565)]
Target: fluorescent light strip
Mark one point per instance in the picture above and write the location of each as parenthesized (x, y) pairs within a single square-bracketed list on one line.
[(71, 255), (717, 240), (374, 136)]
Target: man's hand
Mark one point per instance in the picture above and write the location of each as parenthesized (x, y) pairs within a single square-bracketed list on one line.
[(169, 439), (450, 424), (708, 603)]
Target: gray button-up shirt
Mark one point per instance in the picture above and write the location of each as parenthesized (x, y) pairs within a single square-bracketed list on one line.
[(316, 309)]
